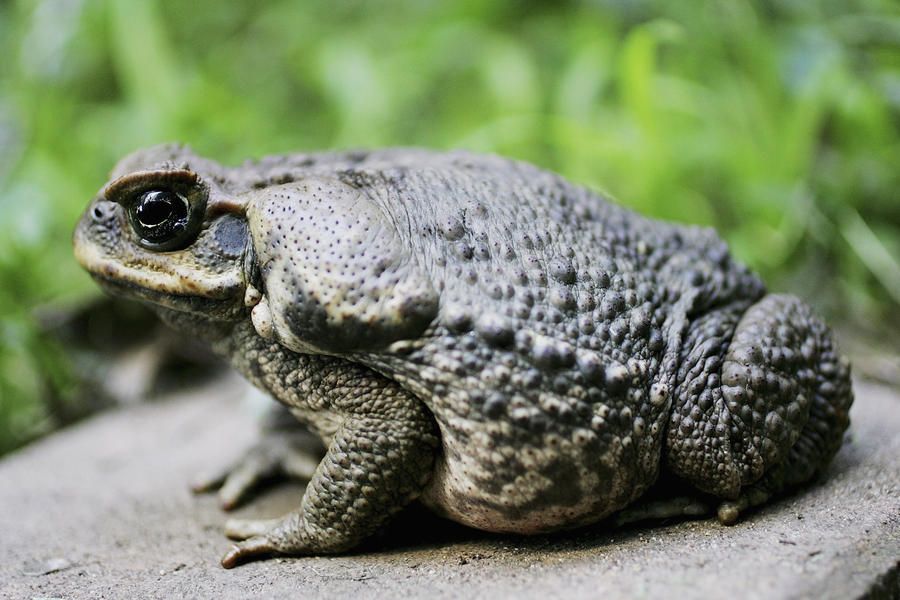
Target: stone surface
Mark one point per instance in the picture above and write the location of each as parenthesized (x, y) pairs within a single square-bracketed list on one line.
[(102, 510)]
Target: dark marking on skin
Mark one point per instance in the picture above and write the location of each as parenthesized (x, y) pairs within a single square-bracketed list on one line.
[(231, 235), (565, 490)]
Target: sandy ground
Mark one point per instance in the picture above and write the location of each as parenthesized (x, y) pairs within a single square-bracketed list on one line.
[(102, 510)]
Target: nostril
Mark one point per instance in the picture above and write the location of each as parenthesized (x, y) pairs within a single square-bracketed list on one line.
[(99, 212)]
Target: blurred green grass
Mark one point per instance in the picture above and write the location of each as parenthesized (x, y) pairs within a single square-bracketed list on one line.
[(776, 122)]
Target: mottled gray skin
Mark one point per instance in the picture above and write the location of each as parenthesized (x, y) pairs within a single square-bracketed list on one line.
[(516, 351)]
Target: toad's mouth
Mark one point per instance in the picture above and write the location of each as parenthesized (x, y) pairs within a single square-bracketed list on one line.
[(199, 305), (156, 274)]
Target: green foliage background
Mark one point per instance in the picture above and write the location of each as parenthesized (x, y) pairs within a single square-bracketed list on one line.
[(776, 122)]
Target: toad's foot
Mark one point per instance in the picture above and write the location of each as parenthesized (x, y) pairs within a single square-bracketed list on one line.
[(655, 510), (373, 468), (252, 533), (730, 511), (280, 453)]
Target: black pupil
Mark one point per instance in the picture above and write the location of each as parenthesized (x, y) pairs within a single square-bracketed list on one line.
[(161, 218), (158, 207)]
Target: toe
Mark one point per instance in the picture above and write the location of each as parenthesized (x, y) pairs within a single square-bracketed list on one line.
[(208, 483), (241, 529), (728, 513), (251, 549), (243, 479)]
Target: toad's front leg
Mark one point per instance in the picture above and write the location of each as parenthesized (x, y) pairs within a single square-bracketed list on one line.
[(286, 449), (378, 461)]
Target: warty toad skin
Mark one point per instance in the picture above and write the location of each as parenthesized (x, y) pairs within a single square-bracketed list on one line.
[(516, 351)]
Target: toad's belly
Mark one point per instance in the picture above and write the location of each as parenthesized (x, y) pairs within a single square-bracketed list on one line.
[(553, 481)]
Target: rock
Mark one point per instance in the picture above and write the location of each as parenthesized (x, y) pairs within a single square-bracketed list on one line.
[(103, 510)]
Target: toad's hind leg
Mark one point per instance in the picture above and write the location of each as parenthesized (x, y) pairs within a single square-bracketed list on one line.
[(761, 404), (676, 507)]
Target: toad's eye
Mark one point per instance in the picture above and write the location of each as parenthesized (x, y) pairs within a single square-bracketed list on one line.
[(163, 220)]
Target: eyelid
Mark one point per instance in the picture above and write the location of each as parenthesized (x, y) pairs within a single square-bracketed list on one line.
[(125, 188)]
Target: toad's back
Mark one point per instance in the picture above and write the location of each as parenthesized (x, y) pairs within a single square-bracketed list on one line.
[(553, 357)]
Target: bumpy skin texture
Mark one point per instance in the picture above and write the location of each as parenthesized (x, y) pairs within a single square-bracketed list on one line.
[(515, 350)]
